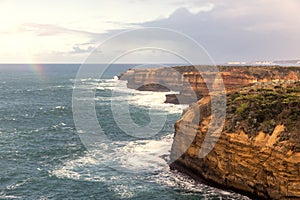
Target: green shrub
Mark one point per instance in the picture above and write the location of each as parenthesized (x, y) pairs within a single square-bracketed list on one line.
[(242, 108)]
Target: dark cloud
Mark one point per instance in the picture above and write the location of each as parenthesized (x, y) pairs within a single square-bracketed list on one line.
[(232, 30), (237, 31)]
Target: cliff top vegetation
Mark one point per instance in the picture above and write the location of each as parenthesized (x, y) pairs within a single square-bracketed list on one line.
[(263, 106)]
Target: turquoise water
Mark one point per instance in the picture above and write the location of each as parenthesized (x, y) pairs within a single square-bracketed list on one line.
[(43, 157)]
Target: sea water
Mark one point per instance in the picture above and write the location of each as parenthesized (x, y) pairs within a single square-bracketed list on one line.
[(43, 157)]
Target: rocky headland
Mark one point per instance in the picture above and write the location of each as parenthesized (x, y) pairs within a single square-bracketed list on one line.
[(189, 81), (257, 152)]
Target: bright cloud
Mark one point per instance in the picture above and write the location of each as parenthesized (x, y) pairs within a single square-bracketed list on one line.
[(67, 31)]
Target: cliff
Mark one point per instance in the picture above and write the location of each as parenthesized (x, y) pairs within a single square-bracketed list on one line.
[(258, 152), (191, 85)]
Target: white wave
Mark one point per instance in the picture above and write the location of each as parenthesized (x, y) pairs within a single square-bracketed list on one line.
[(100, 84), (146, 155), (16, 185), (144, 159), (181, 181), (59, 125), (92, 80), (120, 93), (60, 107), (59, 86), (136, 158), (148, 99), (9, 197), (101, 88), (37, 130), (155, 100), (87, 79)]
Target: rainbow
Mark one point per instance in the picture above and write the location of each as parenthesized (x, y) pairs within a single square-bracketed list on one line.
[(38, 70)]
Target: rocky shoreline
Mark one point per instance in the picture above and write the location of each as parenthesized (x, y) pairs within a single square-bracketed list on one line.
[(262, 161), (258, 151), (190, 84), (200, 179)]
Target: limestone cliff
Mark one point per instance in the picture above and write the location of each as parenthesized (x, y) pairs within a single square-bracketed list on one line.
[(258, 152), (189, 81)]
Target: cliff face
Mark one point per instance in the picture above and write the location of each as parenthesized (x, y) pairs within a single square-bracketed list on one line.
[(258, 152), (189, 81), (167, 77)]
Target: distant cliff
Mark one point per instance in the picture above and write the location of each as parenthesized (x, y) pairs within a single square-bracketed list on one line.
[(258, 152), (189, 81)]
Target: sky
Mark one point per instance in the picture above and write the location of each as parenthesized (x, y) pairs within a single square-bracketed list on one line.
[(53, 31)]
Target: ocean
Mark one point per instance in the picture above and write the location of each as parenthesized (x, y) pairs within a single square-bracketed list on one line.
[(43, 156)]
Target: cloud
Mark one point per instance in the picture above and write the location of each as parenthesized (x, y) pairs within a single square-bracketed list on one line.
[(241, 30), (51, 30), (196, 6), (228, 29), (83, 48)]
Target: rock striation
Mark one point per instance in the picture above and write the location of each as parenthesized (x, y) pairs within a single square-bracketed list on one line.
[(258, 152), (192, 84)]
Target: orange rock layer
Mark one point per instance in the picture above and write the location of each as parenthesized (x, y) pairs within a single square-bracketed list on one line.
[(261, 165), (187, 79), (256, 166)]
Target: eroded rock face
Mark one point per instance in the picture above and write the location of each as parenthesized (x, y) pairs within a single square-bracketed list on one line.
[(258, 152), (264, 165), (192, 83)]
